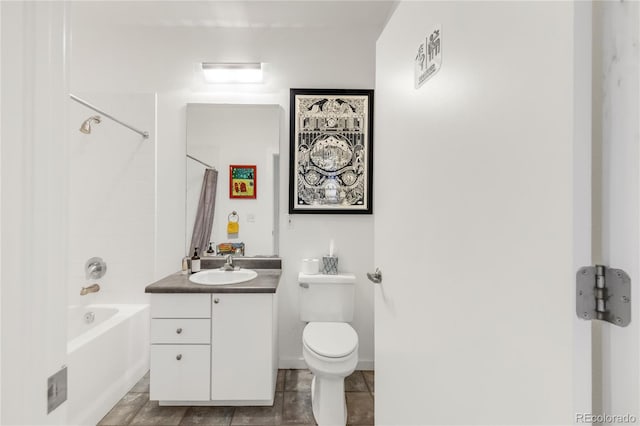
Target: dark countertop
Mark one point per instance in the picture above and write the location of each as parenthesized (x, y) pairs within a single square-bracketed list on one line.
[(266, 282)]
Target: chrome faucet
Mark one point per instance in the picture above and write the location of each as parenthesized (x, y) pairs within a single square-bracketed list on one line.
[(228, 265), (93, 288)]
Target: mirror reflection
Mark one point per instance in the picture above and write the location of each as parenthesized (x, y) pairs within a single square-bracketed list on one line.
[(239, 145)]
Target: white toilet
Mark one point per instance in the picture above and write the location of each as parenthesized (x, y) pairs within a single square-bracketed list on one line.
[(329, 343)]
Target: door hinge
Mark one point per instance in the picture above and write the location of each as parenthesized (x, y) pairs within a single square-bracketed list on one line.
[(603, 293)]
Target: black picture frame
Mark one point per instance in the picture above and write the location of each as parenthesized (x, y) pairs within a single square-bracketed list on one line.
[(331, 151)]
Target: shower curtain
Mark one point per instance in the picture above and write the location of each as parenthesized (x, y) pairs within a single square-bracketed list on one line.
[(204, 215)]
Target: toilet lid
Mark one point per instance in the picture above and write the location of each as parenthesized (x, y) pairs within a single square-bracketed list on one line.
[(330, 339)]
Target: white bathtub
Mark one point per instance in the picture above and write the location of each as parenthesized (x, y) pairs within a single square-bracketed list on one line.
[(105, 358)]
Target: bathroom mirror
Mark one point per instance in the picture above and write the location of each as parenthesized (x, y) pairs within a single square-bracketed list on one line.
[(221, 136)]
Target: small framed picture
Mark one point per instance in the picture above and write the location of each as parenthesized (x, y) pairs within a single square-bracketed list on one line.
[(242, 181), (331, 151)]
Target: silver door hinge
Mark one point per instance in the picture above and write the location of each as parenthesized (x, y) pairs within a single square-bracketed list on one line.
[(603, 293)]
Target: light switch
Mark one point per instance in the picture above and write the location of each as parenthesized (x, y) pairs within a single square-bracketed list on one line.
[(251, 217)]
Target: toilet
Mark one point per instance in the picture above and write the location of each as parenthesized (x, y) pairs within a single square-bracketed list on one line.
[(329, 343)]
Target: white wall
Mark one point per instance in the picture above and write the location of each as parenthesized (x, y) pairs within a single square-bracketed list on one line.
[(112, 197), (34, 204), (221, 135), (162, 60)]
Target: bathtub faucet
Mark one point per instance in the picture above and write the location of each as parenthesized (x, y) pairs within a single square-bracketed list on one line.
[(93, 288)]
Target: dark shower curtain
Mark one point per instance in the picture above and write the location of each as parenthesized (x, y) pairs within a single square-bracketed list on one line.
[(204, 215)]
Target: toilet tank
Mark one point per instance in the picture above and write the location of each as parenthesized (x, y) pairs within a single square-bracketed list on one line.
[(326, 298)]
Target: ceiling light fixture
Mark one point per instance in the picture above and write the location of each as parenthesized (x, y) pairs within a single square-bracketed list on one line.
[(232, 73)]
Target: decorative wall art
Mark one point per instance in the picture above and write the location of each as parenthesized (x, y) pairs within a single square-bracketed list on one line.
[(429, 57), (242, 181), (331, 151)]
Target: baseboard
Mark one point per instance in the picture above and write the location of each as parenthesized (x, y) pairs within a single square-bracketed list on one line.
[(299, 364), (230, 403), (291, 364), (366, 364)]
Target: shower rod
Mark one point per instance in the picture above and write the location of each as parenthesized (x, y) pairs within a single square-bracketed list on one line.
[(203, 163), (88, 105)]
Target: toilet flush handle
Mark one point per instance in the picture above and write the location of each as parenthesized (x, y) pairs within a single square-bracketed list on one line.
[(375, 277)]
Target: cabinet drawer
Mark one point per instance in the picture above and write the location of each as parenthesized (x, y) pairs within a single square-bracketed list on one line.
[(180, 330), (180, 305), (180, 372)]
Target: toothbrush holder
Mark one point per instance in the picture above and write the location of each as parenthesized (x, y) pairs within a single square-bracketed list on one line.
[(330, 265)]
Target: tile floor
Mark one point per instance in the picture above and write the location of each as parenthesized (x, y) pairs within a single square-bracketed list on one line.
[(292, 405)]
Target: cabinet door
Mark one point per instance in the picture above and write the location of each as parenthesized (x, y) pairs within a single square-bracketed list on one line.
[(242, 347), (180, 372)]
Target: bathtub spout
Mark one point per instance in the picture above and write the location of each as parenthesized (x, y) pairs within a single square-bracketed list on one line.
[(93, 288)]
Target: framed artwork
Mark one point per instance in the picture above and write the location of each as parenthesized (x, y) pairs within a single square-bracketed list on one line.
[(242, 181), (331, 151)]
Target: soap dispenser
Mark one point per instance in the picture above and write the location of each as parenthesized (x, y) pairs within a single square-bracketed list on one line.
[(195, 261), (185, 265), (210, 250)]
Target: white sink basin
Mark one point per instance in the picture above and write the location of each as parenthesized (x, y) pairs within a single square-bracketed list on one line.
[(218, 277)]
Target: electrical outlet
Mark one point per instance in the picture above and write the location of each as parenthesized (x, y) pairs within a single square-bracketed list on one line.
[(57, 389)]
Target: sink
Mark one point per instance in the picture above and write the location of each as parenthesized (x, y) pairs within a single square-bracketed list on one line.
[(219, 277)]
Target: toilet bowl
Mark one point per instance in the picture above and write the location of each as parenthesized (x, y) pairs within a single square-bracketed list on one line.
[(330, 350)]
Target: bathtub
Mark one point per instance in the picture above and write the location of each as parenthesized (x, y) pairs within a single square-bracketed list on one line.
[(107, 353)]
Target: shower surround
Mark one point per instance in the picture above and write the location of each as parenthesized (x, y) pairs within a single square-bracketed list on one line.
[(112, 215)]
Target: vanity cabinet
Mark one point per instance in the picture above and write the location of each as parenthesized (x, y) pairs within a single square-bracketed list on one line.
[(213, 349)]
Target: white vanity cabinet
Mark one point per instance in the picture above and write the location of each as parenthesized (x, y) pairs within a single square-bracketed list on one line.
[(213, 349)]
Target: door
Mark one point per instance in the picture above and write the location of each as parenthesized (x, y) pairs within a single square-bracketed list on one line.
[(180, 372), (242, 367), (617, 354), (482, 215)]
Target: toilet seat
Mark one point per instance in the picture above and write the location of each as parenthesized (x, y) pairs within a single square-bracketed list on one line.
[(330, 339)]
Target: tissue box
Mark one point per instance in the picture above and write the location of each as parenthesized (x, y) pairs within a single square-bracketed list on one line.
[(330, 265)]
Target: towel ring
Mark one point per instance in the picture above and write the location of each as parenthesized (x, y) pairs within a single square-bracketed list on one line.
[(233, 215)]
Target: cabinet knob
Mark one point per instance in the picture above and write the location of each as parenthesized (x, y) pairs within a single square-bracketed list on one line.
[(179, 331), (216, 300), (179, 357)]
